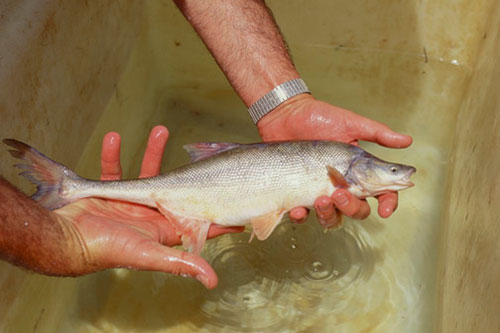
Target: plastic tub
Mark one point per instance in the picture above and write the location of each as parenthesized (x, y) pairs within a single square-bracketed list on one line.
[(69, 73)]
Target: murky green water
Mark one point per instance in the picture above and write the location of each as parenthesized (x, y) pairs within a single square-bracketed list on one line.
[(372, 275)]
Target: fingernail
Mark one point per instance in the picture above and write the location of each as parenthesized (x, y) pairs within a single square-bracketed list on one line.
[(324, 208), (158, 133), (388, 211), (113, 137), (340, 199)]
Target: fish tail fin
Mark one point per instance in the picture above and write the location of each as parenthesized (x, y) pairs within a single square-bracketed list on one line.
[(46, 174)]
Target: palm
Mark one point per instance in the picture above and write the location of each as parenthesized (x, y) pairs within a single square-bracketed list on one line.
[(322, 124), (119, 226), (123, 226)]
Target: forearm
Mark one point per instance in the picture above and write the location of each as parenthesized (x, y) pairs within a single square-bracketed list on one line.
[(35, 238), (245, 41)]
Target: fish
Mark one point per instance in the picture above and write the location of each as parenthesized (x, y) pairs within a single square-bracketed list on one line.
[(227, 184)]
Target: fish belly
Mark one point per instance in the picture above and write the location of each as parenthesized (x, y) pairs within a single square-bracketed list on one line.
[(236, 206)]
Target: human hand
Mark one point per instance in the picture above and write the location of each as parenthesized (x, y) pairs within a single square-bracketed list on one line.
[(121, 234), (305, 118)]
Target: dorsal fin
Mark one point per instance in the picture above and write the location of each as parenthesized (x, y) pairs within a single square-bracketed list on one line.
[(201, 150)]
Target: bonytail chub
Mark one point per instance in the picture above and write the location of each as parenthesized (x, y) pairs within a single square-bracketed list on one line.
[(226, 183)]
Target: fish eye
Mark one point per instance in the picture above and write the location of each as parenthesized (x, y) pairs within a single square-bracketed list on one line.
[(393, 169)]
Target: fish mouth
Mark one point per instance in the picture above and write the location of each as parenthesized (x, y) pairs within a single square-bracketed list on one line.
[(406, 179)]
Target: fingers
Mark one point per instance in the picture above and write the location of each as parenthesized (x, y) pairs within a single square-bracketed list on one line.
[(387, 204), (151, 162), (373, 131), (298, 215), (110, 157), (326, 212), (216, 230), (349, 205), (326, 209), (155, 257)]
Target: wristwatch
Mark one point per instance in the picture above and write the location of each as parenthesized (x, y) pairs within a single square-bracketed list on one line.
[(275, 97)]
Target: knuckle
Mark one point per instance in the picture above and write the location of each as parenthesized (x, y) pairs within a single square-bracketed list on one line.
[(351, 209)]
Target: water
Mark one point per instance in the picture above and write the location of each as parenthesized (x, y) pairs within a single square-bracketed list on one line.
[(372, 275), (375, 275), (300, 279), (321, 270)]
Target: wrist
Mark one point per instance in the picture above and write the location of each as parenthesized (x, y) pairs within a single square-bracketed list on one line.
[(77, 260), (285, 109), (277, 96)]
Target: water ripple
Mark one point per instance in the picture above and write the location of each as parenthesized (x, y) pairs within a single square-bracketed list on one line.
[(299, 273)]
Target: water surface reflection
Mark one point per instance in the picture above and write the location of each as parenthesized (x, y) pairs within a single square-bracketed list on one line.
[(298, 274)]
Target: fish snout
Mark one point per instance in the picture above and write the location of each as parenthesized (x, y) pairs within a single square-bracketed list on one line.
[(406, 179)]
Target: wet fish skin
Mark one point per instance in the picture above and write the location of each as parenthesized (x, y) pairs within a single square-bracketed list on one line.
[(230, 184)]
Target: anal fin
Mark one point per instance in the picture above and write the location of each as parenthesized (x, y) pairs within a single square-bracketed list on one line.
[(264, 225), (193, 232)]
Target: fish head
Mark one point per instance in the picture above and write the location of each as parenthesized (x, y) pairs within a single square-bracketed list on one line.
[(373, 176)]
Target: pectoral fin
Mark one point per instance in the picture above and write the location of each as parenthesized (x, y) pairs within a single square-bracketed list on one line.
[(336, 178), (264, 225), (193, 232)]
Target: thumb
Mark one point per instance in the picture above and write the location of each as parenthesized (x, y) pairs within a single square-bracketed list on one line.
[(155, 257), (391, 139), (373, 131)]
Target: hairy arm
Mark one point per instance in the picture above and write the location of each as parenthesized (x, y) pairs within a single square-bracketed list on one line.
[(249, 48), (245, 41), (35, 238)]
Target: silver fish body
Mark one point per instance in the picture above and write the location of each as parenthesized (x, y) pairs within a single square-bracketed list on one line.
[(236, 185), (239, 184)]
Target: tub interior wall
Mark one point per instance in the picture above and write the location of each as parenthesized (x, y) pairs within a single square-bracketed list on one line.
[(407, 64), (57, 74), (470, 256)]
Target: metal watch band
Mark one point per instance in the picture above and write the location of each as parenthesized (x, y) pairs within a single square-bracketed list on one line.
[(275, 97)]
